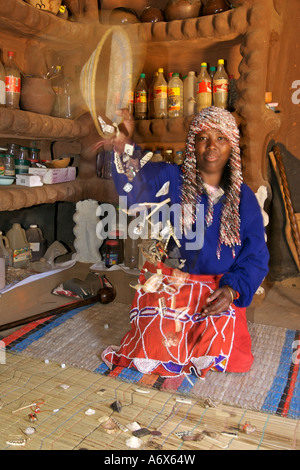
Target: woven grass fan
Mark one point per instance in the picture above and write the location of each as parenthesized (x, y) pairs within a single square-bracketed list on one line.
[(106, 88)]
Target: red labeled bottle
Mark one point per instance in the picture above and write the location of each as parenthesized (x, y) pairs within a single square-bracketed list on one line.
[(12, 82), (203, 89)]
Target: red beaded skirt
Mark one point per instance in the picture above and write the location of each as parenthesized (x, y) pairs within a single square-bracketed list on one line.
[(170, 336)]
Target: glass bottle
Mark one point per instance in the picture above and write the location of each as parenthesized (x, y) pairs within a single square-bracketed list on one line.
[(66, 98), (140, 98), (189, 89), (34, 156), (12, 82), (2, 85), (57, 86), (10, 169), (203, 89), (175, 96), (220, 86), (150, 97), (160, 96)]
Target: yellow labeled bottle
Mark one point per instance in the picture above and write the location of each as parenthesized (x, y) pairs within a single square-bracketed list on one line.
[(175, 96), (203, 89), (220, 86), (141, 98), (160, 96)]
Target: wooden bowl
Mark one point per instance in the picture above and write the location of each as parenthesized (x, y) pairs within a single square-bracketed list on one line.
[(57, 163)]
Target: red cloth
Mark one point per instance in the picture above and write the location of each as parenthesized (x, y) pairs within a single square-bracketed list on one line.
[(170, 337)]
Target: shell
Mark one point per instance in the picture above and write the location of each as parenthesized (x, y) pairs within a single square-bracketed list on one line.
[(134, 442)]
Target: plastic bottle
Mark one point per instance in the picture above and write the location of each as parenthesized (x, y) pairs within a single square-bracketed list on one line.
[(203, 89), (12, 82), (5, 250), (175, 96), (189, 89), (141, 98), (2, 85), (57, 86), (220, 86), (150, 97), (36, 242), (160, 96), (20, 247)]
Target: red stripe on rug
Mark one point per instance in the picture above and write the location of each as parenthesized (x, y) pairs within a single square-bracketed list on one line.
[(148, 379), (291, 389), (116, 371), (24, 330), (173, 383)]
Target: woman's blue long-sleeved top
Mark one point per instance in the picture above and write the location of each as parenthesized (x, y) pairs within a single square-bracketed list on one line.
[(245, 271)]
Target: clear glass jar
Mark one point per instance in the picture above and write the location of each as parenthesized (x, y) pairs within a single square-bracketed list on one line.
[(23, 154), (34, 156), (10, 169), (13, 149)]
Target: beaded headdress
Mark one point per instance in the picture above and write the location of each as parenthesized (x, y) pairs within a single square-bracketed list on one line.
[(193, 188)]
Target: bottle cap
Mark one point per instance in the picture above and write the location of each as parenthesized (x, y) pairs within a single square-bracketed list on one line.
[(33, 226), (204, 64), (221, 61), (160, 70), (10, 53), (142, 75)]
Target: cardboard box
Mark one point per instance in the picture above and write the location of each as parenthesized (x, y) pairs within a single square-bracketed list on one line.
[(29, 180), (54, 175)]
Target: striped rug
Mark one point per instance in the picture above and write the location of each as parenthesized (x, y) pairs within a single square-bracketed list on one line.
[(78, 337)]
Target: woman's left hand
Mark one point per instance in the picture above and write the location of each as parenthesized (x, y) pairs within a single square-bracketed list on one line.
[(219, 301)]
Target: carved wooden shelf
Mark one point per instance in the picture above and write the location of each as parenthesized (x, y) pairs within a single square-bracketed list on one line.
[(23, 124), (17, 197)]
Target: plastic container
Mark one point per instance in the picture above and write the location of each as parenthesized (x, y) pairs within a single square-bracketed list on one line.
[(12, 82), (5, 250), (220, 86), (160, 96), (18, 242), (189, 94), (37, 242), (22, 166), (111, 253), (203, 89), (175, 96), (141, 99)]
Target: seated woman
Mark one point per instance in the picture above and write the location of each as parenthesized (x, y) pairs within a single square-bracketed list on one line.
[(193, 319)]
